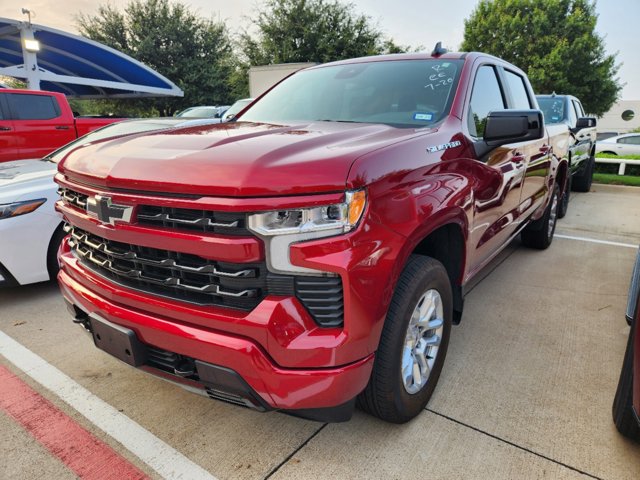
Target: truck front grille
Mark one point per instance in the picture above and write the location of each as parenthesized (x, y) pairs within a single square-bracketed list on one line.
[(193, 220), (175, 275), (222, 223)]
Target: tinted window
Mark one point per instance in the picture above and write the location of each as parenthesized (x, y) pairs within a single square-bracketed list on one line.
[(571, 114), (552, 109), (401, 93), (635, 140), (485, 97), (518, 91), (578, 107), (33, 107)]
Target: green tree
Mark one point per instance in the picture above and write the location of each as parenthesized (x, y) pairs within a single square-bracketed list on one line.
[(554, 41), (193, 52), (319, 31)]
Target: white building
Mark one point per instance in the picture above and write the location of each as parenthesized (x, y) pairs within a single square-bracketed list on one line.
[(623, 117)]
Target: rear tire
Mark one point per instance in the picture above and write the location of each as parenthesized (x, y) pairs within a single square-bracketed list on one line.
[(582, 182), (413, 344), (563, 207), (622, 409), (539, 234)]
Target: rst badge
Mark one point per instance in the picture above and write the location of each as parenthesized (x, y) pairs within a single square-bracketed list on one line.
[(443, 146), (107, 212)]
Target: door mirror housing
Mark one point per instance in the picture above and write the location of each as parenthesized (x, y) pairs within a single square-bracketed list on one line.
[(585, 122), (510, 126)]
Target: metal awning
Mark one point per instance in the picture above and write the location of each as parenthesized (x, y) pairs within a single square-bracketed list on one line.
[(58, 61)]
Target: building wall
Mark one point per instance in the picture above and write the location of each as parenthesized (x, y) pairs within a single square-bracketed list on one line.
[(612, 121)]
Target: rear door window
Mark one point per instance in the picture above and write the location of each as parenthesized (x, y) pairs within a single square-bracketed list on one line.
[(518, 91), (33, 107)]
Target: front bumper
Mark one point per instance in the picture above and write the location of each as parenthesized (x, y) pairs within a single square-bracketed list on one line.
[(277, 387), (288, 359)]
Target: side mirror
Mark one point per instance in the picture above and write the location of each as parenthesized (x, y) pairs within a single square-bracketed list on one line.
[(585, 122), (512, 126)]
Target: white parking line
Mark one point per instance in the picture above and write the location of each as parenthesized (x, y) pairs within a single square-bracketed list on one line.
[(593, 240), (165, 460)]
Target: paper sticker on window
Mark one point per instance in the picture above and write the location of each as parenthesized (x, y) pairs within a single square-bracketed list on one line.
[(423, 116)]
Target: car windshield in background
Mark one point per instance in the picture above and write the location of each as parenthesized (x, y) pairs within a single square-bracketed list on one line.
[(552, 109), (401, 93), (200, 112)]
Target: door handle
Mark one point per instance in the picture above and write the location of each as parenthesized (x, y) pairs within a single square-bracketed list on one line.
[(517, 158), (62, 127), (545, 149), (5, 129)]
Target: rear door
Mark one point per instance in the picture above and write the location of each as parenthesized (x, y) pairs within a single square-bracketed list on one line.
[(8, 149), (536, 153), (496, 209), (629, 145), (582, 138), (40, 126)]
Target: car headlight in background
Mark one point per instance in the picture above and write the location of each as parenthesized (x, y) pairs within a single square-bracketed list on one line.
[(16, 209), (279, 229)]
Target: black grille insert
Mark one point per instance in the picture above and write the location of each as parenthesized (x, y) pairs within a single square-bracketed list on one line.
[(323, 297), (223, 223), (175, 275)]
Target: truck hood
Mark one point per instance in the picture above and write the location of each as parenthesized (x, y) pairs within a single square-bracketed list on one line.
[(232, 159)]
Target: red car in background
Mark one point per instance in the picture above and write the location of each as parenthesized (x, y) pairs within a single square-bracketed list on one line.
[(626, 404), (35, 123)]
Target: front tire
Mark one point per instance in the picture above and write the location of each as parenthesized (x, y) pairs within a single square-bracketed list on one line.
[(52, 252), (413, 344), (539, 234), (622, 409)]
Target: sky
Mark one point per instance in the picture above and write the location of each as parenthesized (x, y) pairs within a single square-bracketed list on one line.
[(408, 22)]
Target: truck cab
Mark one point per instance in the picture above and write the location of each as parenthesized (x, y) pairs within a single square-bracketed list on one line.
[(568, 110)]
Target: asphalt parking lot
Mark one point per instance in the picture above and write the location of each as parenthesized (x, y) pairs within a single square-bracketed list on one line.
[(526, 390)]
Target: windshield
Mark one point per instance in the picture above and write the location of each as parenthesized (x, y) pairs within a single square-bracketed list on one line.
[(552, 109), (401, 93), (112, 130), (236, 107)]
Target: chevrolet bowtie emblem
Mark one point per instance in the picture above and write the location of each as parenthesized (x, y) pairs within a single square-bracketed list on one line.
[(106, 211)]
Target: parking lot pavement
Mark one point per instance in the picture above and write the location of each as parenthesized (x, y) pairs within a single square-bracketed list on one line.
[(526, 390)]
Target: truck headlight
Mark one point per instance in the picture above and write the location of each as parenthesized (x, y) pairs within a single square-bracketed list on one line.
[(9, 210), (279, 229)]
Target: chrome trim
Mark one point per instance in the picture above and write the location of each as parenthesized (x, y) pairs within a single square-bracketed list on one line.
[(204, 221), (86, 249)]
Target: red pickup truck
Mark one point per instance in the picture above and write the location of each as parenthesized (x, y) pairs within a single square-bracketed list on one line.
[(34, 123), (318, 249)]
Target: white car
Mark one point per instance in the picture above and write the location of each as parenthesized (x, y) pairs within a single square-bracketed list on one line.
[(627, 144), (30, 228)]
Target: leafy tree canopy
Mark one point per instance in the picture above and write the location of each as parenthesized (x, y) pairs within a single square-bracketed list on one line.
[(320, 31), (193, 52), (554, 41)]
